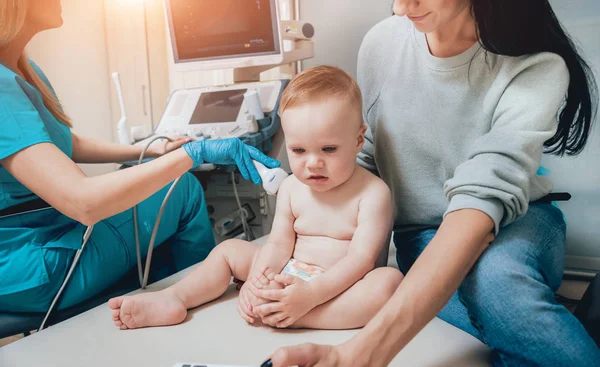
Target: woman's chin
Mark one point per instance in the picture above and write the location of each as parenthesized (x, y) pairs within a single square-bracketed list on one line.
[(424, 28)]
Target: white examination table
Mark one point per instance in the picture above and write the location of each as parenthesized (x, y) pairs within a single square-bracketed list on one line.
[(213, 333)]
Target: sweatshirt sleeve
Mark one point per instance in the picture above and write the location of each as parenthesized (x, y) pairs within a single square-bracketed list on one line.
[(496, 177)]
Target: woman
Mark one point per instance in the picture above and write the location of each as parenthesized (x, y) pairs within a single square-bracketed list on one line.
[(38, 156), (461, 98)]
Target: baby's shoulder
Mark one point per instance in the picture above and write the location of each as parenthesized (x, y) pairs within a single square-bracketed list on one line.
[(289, 182), (370, 184), (290, 186)]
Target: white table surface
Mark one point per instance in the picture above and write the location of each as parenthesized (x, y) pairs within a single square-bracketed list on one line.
[(213, 333)]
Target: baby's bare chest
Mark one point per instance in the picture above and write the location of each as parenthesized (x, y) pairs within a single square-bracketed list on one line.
[(334, 218)]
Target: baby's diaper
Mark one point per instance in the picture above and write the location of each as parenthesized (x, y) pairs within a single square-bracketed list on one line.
[(302, 270)]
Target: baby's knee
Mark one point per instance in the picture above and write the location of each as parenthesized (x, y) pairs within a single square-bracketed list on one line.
[(228, 247), (239, 254), (392, 277), (386, 280)]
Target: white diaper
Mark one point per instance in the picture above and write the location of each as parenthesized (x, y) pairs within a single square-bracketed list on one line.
[(302, 270)]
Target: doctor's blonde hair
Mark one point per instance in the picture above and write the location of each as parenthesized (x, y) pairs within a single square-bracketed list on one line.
[(318, 83), (13, 14)]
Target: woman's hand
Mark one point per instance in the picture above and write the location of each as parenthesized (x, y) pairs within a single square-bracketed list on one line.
[(229, 151), (287, 305), (159, 148), (309, 355)]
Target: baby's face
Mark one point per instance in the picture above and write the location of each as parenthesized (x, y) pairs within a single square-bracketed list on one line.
[(322, 141)]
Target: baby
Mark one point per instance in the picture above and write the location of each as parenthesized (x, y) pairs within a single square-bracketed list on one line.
[(332, 221)]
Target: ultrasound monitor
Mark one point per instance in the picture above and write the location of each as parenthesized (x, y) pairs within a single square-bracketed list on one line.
[(223, 34)]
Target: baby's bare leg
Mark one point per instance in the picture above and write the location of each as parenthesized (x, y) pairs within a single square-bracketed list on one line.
[(357, 305), (211, 278), (205, 283)]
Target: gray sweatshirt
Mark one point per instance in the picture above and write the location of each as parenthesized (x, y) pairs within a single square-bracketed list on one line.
[(460, 132)]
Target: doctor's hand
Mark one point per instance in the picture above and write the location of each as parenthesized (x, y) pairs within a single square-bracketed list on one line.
[(229, 151), (287, 305), (162, 147)]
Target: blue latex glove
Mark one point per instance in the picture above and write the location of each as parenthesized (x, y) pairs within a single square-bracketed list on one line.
[(229, 151)]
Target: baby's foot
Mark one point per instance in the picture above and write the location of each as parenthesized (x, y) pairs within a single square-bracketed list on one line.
[(147, 309), (266, 280)]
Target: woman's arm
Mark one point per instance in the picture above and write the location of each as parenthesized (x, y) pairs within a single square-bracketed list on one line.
[(49, 173), (434, 277), (427, 287), (87, 150)]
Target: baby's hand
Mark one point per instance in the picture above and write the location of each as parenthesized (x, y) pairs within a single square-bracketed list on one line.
[(285, 306), (263, 280), (247, 298)]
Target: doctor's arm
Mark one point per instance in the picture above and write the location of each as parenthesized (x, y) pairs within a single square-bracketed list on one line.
[(55, 178), (88, 150)]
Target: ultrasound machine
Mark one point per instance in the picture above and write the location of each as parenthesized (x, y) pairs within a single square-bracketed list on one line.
[(246, 37)]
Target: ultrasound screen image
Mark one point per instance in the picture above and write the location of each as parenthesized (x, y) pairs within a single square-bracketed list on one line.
[(221, 106), (206, 29)]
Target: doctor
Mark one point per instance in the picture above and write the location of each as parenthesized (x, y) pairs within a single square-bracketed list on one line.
[(461, 98), (38, 156)]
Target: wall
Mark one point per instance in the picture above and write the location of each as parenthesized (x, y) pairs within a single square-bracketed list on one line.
[(581, 175), (340, 26), (74, 59), (127, 46), (158, 56)]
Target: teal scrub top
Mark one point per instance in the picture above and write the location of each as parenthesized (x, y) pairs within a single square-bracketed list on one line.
[(25, 121)]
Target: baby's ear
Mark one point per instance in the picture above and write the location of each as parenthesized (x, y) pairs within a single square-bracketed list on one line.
[(361, 137)]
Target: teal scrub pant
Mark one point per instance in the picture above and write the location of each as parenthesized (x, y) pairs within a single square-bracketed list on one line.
[(111, 252)]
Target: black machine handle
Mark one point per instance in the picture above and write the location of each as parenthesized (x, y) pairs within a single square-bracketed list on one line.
[(28, 206), (555, 196)]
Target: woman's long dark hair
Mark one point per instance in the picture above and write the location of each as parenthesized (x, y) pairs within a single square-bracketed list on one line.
[(518, 27)]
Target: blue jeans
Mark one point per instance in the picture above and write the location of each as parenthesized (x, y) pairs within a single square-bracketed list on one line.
[(507, 299), (111, 252)]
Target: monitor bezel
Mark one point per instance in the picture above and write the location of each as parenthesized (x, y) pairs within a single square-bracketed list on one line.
[(227, 62)]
